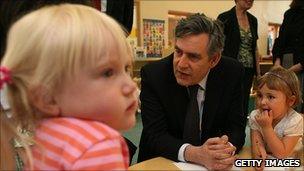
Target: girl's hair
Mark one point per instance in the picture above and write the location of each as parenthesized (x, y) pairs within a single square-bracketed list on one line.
[(281, 79), (50, 45)]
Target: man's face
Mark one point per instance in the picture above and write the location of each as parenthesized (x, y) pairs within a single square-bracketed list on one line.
[(191, 62)]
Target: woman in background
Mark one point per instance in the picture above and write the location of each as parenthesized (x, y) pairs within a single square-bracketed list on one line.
[(241, 31), (288, 49)]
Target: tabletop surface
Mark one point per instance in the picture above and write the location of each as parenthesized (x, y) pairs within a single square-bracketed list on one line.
[(161, 163), (158, 163)]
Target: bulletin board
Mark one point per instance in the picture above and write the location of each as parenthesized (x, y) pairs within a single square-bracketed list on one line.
[(153, 36)]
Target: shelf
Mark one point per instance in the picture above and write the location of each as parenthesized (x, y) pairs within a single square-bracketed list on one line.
[(266, 63), (147, 59), (140, 62)]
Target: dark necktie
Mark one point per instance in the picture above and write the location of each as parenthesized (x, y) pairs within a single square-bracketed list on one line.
[(191, 127)]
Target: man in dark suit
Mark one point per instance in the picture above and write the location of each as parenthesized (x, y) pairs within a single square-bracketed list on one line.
[(165, 95)]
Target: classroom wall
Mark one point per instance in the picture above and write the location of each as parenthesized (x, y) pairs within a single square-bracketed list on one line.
[(265, 10)]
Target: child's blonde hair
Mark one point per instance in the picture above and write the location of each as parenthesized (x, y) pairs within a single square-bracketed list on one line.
[(281, 79), (49, 45)]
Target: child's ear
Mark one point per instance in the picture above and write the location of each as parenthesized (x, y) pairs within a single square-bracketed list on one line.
[(291, 100), (42, 99)]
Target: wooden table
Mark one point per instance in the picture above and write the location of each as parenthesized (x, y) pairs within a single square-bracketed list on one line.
[(158, 163), (161, 163)]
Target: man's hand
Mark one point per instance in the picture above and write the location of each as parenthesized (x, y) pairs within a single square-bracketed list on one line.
[(214, 154)]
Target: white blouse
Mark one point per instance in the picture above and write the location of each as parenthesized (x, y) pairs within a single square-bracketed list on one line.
[(290, 125)]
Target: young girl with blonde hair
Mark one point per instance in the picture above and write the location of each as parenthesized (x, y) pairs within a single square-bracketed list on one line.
[(68, 70), (276, 128)]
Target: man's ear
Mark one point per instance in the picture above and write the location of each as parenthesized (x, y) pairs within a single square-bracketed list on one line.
[(44, 101), (215, 59)]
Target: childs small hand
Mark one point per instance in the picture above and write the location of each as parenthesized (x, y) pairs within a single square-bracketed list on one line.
[(264, 119)]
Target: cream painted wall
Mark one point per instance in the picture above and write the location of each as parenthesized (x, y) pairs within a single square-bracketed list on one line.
[(265, 10)]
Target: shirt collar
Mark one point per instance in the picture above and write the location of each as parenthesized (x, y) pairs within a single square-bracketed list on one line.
[(203, 82)]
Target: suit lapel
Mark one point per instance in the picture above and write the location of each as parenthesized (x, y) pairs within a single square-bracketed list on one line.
[(212, 99), (177, 95), (236, 24)]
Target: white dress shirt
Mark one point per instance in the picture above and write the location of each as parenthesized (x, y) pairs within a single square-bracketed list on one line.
[(200, 100)]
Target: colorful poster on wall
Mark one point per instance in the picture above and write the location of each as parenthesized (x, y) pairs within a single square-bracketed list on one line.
[(154, 41)]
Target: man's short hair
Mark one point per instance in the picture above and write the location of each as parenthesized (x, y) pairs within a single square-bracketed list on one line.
[(199, 23)]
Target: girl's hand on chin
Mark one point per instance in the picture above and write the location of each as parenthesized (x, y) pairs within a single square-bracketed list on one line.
[(265, 118)]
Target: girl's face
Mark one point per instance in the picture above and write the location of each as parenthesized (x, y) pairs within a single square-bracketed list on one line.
[(103, 93), (274, 100)]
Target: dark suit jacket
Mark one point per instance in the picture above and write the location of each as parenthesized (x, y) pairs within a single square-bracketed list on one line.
[(164, 103), (232, 33), (291, 36)]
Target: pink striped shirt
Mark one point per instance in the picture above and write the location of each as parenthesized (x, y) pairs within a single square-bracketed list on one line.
[(75, 144)]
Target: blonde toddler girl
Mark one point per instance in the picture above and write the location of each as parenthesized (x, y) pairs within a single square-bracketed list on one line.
[(67, 70)]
